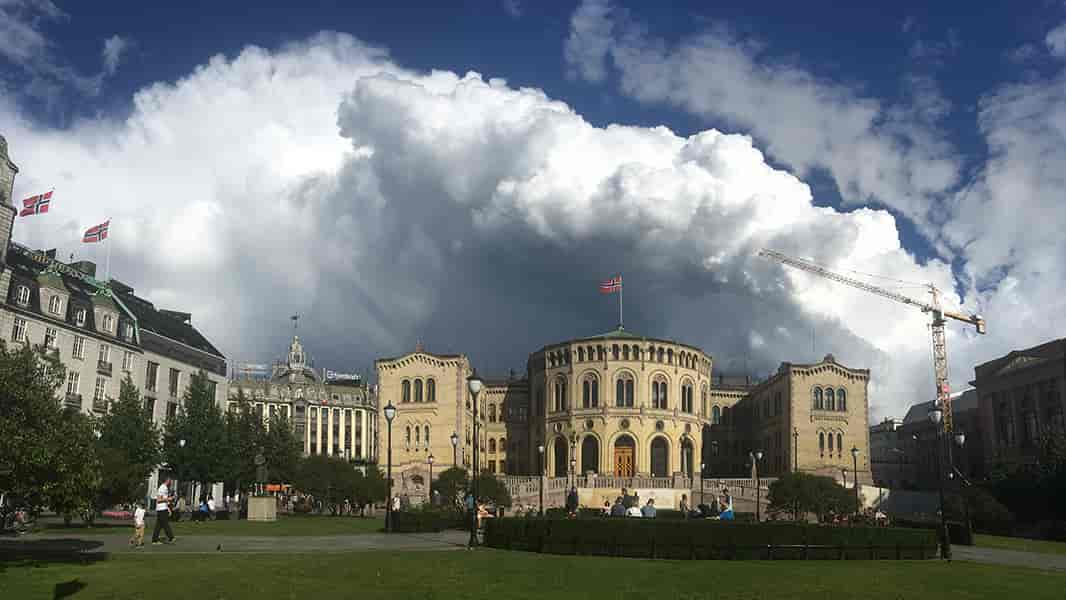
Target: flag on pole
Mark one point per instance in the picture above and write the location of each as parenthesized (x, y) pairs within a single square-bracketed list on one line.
[(36, 205), (612, 285), (96, 233)]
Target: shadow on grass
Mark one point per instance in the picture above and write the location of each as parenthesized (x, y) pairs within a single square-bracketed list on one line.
[(28, 553), (68, 589)]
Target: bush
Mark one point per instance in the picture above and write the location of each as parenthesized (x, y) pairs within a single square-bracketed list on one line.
[(706, 539), (958, 533), (428, 520)]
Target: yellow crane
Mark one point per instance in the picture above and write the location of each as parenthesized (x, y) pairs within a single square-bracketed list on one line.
[(940, 351)]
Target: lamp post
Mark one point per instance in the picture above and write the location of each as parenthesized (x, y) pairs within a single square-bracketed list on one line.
[(573, 470), (430, 461), (795, 449), (390, 414), (540, 480), (181, 444), (960, 441), (455, 446), (756, 457), (702, 467), (855, 477), (474, 383), (936, 415)]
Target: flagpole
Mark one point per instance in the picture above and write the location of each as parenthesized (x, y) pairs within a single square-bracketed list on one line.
[(107, 271), (620, 302)]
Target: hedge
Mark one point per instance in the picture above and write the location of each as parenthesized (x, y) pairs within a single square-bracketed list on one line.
[(426, 521), (706, 539), (958, 533)]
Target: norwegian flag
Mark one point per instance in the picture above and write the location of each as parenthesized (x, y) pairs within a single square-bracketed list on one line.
[(97, 233), (36, 205), (612, 285)]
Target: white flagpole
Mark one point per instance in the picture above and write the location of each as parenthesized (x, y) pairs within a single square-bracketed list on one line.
[(107, 275), (619, 301)]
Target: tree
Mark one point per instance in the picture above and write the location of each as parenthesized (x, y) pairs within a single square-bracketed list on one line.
[(802, 493), (244, 431), (452, 484), (29, 420), (370, 487), (281, 449), (199, 422), (491, 489), (129, 448), (75, 479)]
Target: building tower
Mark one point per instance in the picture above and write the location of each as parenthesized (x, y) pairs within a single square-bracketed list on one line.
[(8, 170)]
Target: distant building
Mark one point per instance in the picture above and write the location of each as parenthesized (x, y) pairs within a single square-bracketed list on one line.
[(1021, 396), (334, 414), (886, 454), (917, 436)]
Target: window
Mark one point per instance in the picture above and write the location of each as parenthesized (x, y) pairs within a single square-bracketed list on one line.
[(818, 398), (127, 361), (129, 331), (73, 382), (18, 332), (830, 403), (590, 392), (22, 295), (51, 337), (492, 466), (830, 443), (492, 413), (503, 444), (151, 376), (842, 404), (105, 353), (716, 415), (840, 443), (492, 446), (172, 411), (777, 403), (625, 352), (560, 395), (658, 394), (79, 347), (175, 378), (79, 317), (405, 391), (614, 351), (149, 405), (418, 390), (426, 437), (821, 443), (431, 390), (55, 305), (623, 393), (109, 323), (686, 397), (101, 389)]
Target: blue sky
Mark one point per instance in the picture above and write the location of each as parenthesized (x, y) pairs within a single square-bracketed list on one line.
[(932, 123)]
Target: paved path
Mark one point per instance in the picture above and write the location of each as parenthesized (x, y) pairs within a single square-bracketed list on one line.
[(201, 544), (995, 556)]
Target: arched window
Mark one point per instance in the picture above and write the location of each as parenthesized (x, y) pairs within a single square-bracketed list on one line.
[(703, 401), (580, 354), (590, 392), (560, 395), (625, 352), (686, 397), (503, 444), (830, 443), (431, 390), (660, 354), (22, 296), (623, 396), (716, 415), (492, 413), (614, 351), (840, 443), (821, 443), (405, 395), (407, 435), (418, 390), (492, 446), (818, 398), (842, 403), (418, 435), (426, 438), (658, 394), (670, 356), (830, 402)]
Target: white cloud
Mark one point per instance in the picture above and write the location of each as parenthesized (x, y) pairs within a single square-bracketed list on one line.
[(114, 49), (387, 205), (1056, 40)]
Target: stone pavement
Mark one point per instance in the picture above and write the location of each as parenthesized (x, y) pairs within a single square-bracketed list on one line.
[(208, 544), (995, 556)]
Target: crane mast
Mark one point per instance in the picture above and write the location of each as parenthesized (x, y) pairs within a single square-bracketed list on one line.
[(940, 351)]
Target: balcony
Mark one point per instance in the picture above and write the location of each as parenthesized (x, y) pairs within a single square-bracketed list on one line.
[(72, 401), (103, 368), (100, 405)]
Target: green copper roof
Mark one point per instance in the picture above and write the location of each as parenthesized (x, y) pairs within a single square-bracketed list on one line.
[(620, 332)]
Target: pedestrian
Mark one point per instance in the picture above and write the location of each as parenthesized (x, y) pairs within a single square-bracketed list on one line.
[(162, 513), (726, 511), (137, 540), (606, 508), (211, 507), (180, 508), (571, 502), (634, 511), (648, 511), (683, 506)]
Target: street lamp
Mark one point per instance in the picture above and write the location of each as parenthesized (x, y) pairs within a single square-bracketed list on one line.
[(474, 384), (756, 457), (455, 444), (430, 461), (702, 467), (960, 441), (855, 477), (181, 444), (540, 480), (936, 415), (390, 414), (795, 449), (573, 469)]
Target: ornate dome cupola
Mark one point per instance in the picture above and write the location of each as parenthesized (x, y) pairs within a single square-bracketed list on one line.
[(296, 355)]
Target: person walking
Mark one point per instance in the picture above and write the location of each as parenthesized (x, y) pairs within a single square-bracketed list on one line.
[(683, 506), (162, 513), (137, 540), (211, 507)]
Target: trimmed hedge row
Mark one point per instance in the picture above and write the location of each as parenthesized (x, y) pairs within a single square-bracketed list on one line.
[(704, 539), (958, 533), (427, 521)]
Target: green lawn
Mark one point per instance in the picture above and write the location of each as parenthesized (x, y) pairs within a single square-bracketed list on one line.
[(284, 526), (515, 575), (1021, 544)]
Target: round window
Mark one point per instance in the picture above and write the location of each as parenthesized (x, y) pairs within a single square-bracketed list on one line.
[(589, 424), (624, 424), (659, 425)]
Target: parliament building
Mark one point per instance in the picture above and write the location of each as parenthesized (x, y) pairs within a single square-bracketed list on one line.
[(625, 405)]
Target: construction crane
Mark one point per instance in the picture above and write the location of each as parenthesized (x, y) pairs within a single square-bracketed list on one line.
[(940, 351)]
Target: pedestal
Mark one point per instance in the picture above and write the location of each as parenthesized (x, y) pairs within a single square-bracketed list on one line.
[(262, 508)]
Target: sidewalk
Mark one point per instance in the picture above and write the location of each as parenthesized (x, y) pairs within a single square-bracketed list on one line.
[(995, 556)]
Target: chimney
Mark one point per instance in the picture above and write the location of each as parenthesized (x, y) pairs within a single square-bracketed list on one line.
[(419, 347), (85, 266)]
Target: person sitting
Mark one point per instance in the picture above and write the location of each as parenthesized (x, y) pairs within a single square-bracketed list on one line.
[(571, 502), (648, 511), (619, 509), (606, 508), (683, 506), (633, 511), (726, 513)]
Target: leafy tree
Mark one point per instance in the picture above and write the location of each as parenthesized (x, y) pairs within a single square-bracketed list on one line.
[(370, 487), (1034, 492), (281, 449), (29, 422), (452, 484), (199, 422), (75, 478), (129, 448), (491, 489), (802, 493), (244, 432)]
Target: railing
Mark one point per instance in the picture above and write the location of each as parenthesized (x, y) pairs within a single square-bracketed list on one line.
[(100, 404), (104, 368), (528, 486), (72, 401)]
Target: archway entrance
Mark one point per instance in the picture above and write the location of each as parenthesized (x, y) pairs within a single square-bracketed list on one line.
[(590, 455), (562, 458), (625, 457), (660, 457), (687, 454)]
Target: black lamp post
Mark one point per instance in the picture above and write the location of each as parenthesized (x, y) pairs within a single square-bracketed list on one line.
[(573, 469), (936, 415), (960, 441), (455, 445), (540, 480), (474, 383), (795, 450), (430, 461), (855, 477), (390, 414), (703, 466), (755, 458)]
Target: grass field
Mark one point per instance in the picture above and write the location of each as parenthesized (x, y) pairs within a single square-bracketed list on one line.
[(285, 526), (515, 575), (1020, 544)]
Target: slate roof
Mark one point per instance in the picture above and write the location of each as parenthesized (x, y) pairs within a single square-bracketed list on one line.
[(149, 318), (960, 402)]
